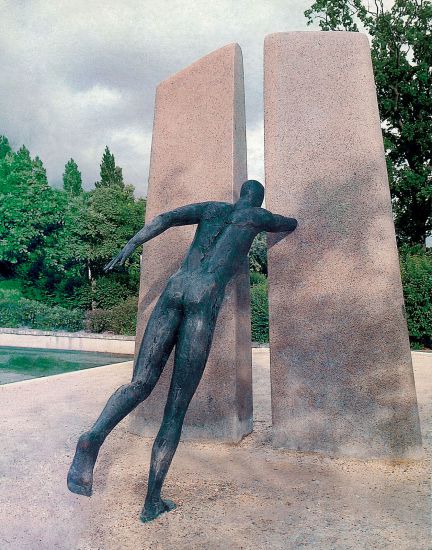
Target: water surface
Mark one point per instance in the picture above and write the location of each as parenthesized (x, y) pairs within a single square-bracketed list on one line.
[(18, 364)]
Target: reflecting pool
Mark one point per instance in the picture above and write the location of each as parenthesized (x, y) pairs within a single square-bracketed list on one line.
[(18, 364)]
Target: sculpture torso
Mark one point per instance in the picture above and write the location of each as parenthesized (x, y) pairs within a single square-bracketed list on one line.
[(220, 246), (222, 239)]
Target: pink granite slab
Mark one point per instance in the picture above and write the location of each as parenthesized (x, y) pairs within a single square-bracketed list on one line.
[(199, 154), (341, 373)]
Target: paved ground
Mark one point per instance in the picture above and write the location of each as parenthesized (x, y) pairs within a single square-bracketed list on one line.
[(248, 496)]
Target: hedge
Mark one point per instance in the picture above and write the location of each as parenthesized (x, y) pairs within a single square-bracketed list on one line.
[(120, 319), (416, 271), (257, 278), (259, 312), (32, 314), (110, 292)]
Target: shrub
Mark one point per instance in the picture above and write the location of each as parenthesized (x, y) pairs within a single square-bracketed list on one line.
[(110, 292), (80, 298), (123, 316), (68, 291), (257, 278), (120, 319), (10, 289), (416, 271), (97, 320), (259, 312), (32, 314), (258, 254), (10, 315)]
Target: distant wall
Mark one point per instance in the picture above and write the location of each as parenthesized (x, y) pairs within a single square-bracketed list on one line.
[(80, 341)]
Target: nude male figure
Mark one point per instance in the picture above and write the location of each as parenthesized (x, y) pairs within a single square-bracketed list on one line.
[(184, 317)]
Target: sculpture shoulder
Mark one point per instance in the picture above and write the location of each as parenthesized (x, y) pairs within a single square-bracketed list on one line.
[(264, 215), (255, 216), (214, 208)]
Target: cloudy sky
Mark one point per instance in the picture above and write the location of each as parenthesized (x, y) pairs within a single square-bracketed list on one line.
[(78, 75)]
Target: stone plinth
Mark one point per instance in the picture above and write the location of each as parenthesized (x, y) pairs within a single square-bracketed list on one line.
[(341, 373), (199, 154)]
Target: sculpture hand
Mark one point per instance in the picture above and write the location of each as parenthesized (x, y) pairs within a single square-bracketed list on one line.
[(121, 257)]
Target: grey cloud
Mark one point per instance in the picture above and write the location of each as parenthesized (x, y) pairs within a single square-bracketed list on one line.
[(79, 75)]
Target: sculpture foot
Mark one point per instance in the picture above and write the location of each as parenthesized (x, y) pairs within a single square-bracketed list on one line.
[(80, 488), (154, 510), (80, 476)]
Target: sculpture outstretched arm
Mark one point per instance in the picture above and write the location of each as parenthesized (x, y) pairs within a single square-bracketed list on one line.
[(275, 223), (185, 215)]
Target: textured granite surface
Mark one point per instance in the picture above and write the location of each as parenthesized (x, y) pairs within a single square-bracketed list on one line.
[(199, 154), (342, 379)]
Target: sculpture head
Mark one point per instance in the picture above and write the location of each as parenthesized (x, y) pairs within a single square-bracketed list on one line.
[(252, 193)]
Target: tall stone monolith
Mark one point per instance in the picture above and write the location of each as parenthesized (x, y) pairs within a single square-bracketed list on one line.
[(199, 154), (341, 373)]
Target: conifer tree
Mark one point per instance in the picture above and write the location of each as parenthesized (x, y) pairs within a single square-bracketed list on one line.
[(20, 168), (110, 174), (38, 173), (5, 148), (72, 182)]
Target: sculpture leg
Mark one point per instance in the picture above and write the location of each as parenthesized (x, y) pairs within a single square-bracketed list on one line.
[(157, 343), (192, 350)]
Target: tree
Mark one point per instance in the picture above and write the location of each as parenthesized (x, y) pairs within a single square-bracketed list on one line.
[(416, 271), (67, 269), (111, 218), (38, 173), (29, 209), (110, 174), (5, 148), (17, 169), (58, 241), (5, 157), (55, 271), (72, 182), (402, 60)]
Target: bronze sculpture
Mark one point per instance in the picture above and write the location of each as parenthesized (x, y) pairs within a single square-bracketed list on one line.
[(184, 317)]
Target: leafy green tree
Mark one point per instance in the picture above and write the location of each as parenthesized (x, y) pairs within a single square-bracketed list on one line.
[(402, 59), (6, 154), (55, 272), (17, 169), (72, 182), (56, 242), (110, 174), (38, 173), (68, 269), (30, 210), (5, 148), (111, 218), (259, 289)]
